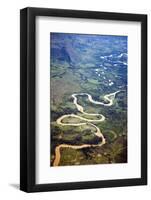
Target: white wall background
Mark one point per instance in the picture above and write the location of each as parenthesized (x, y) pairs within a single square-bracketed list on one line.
[(9, 98)]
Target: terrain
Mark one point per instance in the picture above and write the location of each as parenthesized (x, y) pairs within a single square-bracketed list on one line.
[(85, 69)]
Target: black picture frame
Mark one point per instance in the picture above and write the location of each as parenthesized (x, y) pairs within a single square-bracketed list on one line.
[(28, 98)]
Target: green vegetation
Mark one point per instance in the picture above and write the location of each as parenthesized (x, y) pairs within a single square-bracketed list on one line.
[(77, 67)]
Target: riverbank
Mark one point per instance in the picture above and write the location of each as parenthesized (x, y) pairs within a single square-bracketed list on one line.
[(108, 97)]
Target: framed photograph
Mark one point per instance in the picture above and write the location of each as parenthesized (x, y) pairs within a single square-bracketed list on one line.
[(83, 99)]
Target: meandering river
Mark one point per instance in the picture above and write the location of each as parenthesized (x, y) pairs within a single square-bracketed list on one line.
[(108, 97)]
